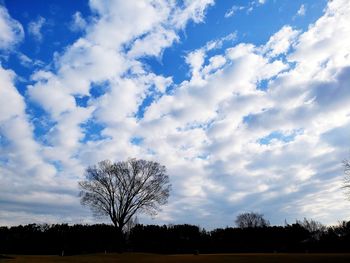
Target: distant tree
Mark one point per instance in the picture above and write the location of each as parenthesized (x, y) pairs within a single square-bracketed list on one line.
[(341, 230), (120, 190), (315, 228), (131, 224), (251, 219)]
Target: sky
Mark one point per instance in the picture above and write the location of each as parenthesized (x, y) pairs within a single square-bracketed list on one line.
[(245, 102)]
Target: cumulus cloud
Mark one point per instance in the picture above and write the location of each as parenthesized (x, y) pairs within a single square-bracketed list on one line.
[(26, 173), (11, 30), (98, 60), (9, 99), (22, 166), (229, 115), (153, 44), (192, 10), (302, 10), (78, 22), (27, 61), (249, 7), (195, 59), (281, 41), (35, 27), (252, 128)]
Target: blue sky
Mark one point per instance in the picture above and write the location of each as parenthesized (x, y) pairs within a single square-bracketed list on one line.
[(245, 102)]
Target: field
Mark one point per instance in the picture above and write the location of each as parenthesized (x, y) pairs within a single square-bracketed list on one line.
[(213, 258)]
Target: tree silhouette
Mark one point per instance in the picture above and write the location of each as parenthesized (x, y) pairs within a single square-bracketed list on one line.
[(120, 190), (315, 228), (251, 219)]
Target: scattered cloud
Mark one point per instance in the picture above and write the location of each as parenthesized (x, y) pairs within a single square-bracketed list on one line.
[(196, 58), (35, 27), (253, 128), (11, 30), (302, 10), (281, 42), (28, 62), (228, 115), (233, 10), (249, 8), (78, 22)]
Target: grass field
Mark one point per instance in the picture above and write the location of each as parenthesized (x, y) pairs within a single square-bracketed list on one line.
[(213, 258)]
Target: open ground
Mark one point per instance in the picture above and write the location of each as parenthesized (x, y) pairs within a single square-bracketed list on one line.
[(212, 258)]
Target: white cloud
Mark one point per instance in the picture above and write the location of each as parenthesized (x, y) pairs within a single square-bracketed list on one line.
[(11, 30), (11, 103), (208, 130), (78, 22), (249, 7), (22, 168), (302, 10), (27, 61), (196, 58), (192, 10), (153, 44), (311, 96), (281, 41), (34, 28), (254, 4), (52, 98), (98, 58), (217, 43), (233, 10)]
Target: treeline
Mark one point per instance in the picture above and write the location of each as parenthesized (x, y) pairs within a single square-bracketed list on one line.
[(302, 236), (57, 239)]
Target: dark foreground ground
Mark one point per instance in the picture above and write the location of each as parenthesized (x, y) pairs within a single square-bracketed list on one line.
[(213, 258)]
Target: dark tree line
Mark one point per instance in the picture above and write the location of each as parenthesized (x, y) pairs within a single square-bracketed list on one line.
[(302, 236), (55, 239), (251, 219)]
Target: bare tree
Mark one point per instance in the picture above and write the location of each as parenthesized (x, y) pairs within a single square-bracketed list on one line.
[(315, 228), (120, 190), (251, 219)]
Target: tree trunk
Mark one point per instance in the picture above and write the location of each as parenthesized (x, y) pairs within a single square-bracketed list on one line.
[(120, 239)]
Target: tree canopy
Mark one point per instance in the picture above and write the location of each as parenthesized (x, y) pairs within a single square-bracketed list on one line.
[(122, 189), (251, 219)]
